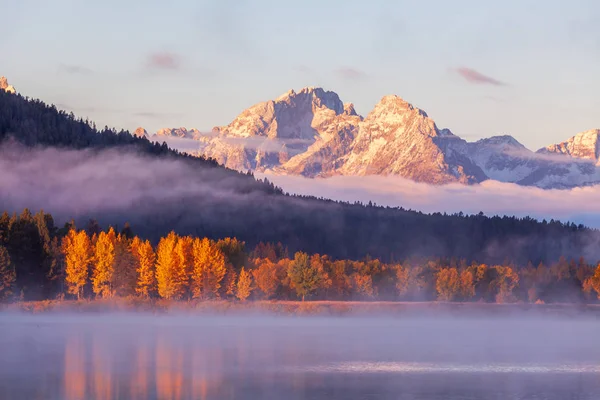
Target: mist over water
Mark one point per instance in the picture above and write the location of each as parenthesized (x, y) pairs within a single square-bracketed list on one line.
[(137, 356)]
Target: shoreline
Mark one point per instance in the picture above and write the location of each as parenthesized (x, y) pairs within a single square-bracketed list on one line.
[(307, 308)]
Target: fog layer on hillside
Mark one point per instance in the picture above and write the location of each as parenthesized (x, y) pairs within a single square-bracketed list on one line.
[(580, 205)]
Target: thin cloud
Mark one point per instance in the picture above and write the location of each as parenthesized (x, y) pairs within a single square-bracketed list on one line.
[(164, 61), (74, 69), (350, 73), (477, 78)]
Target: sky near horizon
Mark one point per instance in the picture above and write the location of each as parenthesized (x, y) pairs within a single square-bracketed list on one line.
[(520, 67)]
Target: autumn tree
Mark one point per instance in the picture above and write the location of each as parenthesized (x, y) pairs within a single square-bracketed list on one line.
[(505, 282), (78, 253), (467, 285), (8, 275), (402, 281), (265, 276), (208, 268), (168, 283), (447, 284), (229, 282), (104, 264), (304, 277), (593, 283), (244, 285), (145, 260)]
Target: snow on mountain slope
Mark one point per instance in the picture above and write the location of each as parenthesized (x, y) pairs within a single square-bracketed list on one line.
[(397, 138), (314, 134), (309, 122), (584, 145)]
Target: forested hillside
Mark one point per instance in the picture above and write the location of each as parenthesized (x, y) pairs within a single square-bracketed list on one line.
[(206, 200)]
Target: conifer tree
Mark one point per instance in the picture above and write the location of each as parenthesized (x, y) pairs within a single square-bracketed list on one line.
[(244, 285), (78, 252), (125, 276), (8, 275)]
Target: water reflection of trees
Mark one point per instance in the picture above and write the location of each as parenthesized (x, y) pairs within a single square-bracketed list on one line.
[(74, 368)]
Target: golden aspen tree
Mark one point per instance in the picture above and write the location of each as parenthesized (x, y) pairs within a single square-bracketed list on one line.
[(209, 269), (183, 265), (505, 282), (229, 282), (402, 280), (467, 285), (145, 260), (447, 284), (244, 285), (165, 266), (78, 252), (104, 264)]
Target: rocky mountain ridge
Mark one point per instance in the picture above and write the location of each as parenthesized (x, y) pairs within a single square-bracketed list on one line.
[(314, 134)]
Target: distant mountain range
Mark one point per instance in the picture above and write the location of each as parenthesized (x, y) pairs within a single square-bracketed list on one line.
[(314, 134)]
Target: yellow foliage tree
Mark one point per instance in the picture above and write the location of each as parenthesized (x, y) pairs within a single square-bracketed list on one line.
[(184, 264), (467, 285), (244, 285), (402, 280), (447, 284), (145, 260), (168, 284), (104, 264), (208, 270), (229, 282), (78, 252)]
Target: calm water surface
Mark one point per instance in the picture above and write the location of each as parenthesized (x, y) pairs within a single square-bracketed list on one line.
[(177, 357)]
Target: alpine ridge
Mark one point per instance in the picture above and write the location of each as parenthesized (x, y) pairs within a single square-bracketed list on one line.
[(314, 134)]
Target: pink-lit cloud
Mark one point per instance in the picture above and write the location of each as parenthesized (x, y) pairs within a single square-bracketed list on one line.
[(477, 78), (164, 61)]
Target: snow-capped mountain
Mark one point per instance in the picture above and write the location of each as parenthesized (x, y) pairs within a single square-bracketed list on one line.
[(584, 145), (313, 133)]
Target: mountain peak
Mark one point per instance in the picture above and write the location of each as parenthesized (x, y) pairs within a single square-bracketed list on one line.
[(500, 140), (5, 86), (585, 145), (140, 132), (397, 105)]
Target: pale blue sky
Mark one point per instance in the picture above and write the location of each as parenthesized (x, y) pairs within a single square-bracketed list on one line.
[(199, 63)]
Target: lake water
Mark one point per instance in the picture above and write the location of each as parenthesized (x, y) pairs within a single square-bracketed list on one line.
[(127, 356)]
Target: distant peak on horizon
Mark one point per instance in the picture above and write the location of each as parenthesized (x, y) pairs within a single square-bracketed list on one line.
[(5, 86)]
